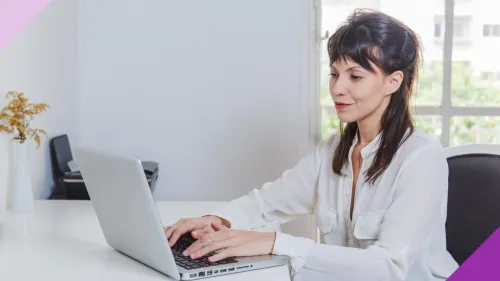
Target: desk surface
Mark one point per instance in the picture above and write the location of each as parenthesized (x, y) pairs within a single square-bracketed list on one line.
[(62, 240)]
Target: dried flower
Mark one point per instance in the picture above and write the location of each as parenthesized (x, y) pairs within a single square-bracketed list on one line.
[(17, 116)]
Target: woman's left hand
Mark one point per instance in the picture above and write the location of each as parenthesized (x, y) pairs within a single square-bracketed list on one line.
[(231, 243)]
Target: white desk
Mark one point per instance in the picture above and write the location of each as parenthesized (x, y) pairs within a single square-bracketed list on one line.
[(62, 241)]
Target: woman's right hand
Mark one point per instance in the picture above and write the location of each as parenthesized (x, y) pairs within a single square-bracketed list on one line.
[(197, 227)]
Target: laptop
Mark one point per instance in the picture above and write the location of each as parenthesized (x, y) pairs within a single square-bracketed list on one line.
[(130, 222)]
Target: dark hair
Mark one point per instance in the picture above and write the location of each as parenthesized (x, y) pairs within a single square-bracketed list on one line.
[(370, 36)]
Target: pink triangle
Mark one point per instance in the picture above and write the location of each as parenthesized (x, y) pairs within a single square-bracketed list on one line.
[(483, 264), (15, 15)]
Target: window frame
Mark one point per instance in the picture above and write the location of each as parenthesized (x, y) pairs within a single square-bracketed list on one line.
[(446, 110)]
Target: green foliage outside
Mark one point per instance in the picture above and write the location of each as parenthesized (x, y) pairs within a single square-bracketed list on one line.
[(468, 90)]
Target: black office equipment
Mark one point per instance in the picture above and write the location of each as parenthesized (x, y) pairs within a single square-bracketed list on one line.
[(69, 184)]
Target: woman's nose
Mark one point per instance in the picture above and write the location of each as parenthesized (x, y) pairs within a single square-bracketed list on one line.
[(338, 87)]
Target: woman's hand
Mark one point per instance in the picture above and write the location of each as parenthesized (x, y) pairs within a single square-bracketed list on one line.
[(232, 243), (197, 226)]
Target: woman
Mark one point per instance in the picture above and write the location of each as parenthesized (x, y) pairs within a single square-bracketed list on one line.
[(379, 190)]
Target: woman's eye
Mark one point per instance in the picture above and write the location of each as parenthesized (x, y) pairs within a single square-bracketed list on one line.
[(333, 75), (356, 77)]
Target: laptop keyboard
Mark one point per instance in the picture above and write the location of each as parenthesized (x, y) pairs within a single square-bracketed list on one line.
[(188, 263)]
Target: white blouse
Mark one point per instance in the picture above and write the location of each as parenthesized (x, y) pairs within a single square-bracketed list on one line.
[(398, 227)]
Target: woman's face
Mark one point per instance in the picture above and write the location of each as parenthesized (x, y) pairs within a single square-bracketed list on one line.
[(358, 93)]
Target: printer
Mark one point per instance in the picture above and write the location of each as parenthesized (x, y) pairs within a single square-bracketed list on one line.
[(68, 180)]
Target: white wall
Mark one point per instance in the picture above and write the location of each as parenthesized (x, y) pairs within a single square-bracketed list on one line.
[(212, 90), (218, 92), (41, 62)]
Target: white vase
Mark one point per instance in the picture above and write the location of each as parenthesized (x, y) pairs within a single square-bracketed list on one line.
[(21, 193)]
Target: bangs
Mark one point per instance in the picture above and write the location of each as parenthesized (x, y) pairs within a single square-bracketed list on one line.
[(356, 44)]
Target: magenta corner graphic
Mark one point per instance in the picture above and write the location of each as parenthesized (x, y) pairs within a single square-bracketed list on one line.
[(16, 15), (483, 265)]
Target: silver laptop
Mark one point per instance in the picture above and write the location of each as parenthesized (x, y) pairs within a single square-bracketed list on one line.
[(130, 222)]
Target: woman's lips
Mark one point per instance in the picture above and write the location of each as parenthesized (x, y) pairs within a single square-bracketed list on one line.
[(341, 105)]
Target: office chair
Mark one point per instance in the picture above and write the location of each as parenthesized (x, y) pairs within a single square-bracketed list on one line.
[(473, 197)]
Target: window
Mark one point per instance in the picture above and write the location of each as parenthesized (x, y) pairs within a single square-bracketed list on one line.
[(461, 27), (457, 97), (496, 30), (491, 30), (437, 29), (438, 26), (475, 129), (486, 30)]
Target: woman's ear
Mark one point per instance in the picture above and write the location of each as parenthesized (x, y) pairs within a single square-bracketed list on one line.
[(393, 82)]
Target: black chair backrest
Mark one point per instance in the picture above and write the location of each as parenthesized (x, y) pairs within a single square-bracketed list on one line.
[(60, 154), (473, 202)]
